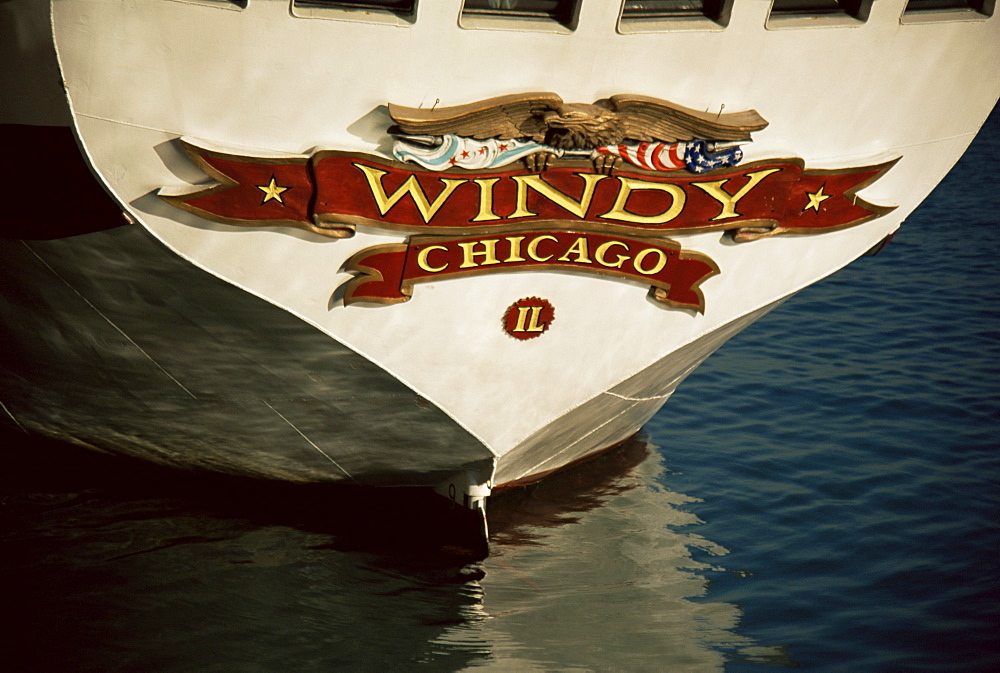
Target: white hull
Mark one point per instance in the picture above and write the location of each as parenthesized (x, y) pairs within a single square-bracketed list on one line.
[(263, 370)]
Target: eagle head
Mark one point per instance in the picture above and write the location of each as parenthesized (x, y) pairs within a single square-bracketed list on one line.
[(582, 126)]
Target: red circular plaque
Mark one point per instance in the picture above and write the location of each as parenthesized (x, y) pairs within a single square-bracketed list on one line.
[(528, 318)]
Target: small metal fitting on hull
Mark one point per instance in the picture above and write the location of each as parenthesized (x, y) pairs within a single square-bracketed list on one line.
[(469, 490)]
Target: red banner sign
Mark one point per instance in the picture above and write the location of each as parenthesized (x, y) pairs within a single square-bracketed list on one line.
[(569, 216), (389, 272), (332, 192)]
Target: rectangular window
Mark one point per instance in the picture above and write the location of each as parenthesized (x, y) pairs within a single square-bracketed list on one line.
[(654, 9), (853, 8), (397, 7), (561, 11), (219, 4), (982, 6)]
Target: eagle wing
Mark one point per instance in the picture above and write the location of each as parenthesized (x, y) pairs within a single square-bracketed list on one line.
[(505, 117), (648, 119)]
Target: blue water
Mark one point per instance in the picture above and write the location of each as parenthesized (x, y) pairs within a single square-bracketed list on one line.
[(853, 461), (822, 494)]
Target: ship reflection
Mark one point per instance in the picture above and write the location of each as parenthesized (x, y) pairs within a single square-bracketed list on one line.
[(589, 569), (519, 515)]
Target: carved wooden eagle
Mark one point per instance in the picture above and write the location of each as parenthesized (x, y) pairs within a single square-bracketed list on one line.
[(545, 118)]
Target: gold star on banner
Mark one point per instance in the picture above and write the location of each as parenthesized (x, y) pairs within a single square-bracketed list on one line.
[(815, 199), (272, 191)]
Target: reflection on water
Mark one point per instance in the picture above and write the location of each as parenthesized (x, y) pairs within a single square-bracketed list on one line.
[(593, 569), (119, 567)]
